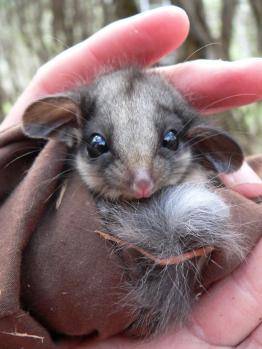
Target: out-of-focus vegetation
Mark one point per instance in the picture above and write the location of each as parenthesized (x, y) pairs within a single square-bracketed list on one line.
[(32, 32)]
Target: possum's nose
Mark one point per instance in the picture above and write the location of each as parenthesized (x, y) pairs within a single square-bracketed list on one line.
[(142, 184)]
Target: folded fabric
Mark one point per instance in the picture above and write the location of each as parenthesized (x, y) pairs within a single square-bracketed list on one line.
[(57, 275)]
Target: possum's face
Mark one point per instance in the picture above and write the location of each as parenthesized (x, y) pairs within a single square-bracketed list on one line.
[(132, 134), (133, 140)]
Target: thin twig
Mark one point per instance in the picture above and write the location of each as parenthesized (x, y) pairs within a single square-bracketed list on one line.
[(17, 334), (199, 252)]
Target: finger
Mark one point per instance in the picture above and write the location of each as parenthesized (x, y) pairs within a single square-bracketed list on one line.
[(232, 309), (245, 181), (141, 39), (172, 340), (254, 341), (215, 86)]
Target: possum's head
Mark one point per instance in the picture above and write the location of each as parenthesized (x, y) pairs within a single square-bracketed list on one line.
[(132, 134)]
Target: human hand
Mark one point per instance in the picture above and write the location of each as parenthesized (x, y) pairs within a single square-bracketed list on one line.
[(209, 86)]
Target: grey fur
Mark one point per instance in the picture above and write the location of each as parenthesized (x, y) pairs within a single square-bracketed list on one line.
[(134, 128), (174, 221), (132, 109)]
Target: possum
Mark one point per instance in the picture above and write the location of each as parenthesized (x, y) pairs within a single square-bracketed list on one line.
[(151, 162)]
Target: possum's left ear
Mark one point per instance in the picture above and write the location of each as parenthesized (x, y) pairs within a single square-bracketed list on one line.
[(220, 152), (53, 117)]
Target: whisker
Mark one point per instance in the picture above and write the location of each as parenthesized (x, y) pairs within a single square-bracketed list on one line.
[(21, 156), (218, 101), (57, 40), (202, 48), (50, 180)]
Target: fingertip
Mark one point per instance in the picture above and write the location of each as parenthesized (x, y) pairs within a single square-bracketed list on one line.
[(244, 181), (177, 16), (163, 30), (138, 40)]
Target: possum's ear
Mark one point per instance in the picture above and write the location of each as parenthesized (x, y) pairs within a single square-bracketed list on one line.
[(53, 117), (220, 152)]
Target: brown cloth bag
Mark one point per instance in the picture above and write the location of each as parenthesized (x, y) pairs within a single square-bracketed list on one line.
[(72, 278)]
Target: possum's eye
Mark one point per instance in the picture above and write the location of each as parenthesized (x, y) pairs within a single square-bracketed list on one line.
[(170, 140), (96, 145)]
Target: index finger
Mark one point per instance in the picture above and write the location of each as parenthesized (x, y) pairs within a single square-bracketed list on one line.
[(141, 40)]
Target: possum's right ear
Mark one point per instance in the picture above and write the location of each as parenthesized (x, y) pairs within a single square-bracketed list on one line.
[(53, 117)]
